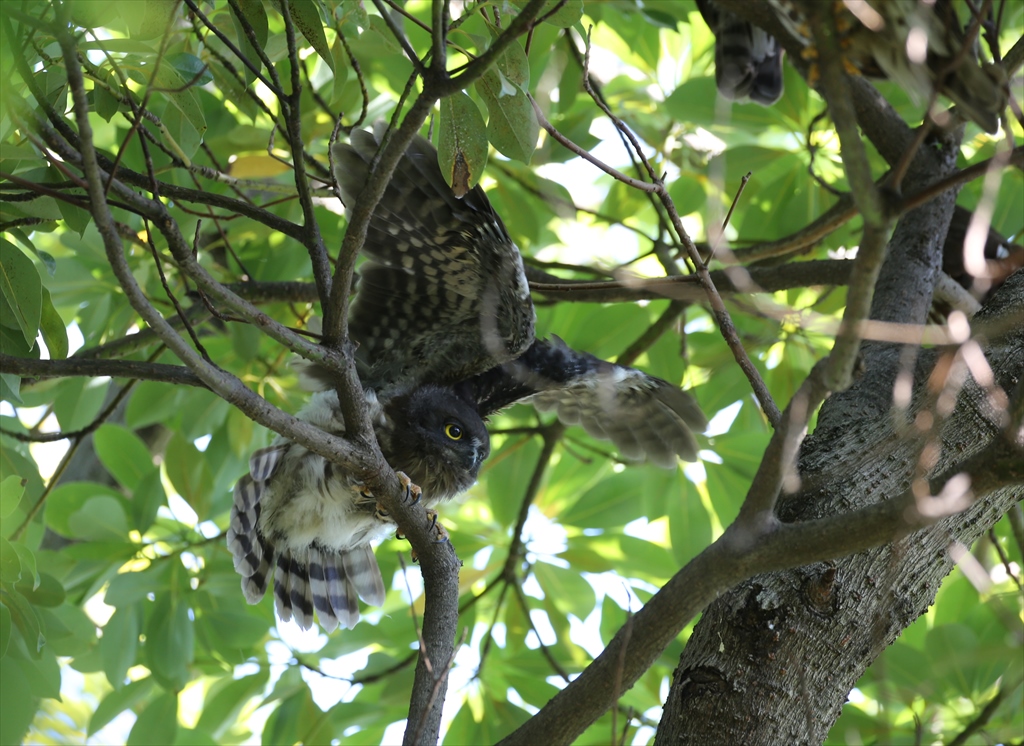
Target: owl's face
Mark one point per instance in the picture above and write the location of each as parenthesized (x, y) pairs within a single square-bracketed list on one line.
[(436, 438)]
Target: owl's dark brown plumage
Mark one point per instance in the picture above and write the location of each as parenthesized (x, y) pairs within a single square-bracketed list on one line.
[(443, 295), (445, 327)]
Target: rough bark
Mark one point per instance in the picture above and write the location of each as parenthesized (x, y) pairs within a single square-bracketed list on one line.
[(773, 660)]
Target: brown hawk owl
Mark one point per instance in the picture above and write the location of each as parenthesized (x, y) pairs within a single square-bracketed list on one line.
[(445, 327)]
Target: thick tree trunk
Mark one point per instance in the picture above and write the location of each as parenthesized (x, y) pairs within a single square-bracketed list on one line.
[(773, 660)]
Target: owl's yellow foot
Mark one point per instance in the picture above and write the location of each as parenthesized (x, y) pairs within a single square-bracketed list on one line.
[(412, 492), (440, 532)]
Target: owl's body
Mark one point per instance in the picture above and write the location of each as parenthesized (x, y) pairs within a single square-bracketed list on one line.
[(311, 526), (444, 324)]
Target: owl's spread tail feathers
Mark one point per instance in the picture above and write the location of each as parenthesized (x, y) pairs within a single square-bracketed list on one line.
[(328, 581), (313, 577)]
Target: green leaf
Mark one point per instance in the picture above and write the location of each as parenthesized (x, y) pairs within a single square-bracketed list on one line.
[(615, 501), (512, 126), (307, 20), (10, 384), (30, 578), (79, 401), (123, 454), (188, 471), (119, 643), (181, 95), (25, 618), (687, 192), (462, 143), (70, 498), (41, 675), (53, 328), (565, 17), (48, 261), (149, 20), (287, 723), (169, 643), (253, 12), (728, 482), (118, 701), (106, 104), (21, 292), (203, 413), (613, 618), (501, 472), (953, 650), (569, 592), (156, 725), (152, 402), (44, 590), (147, 497), (16, 703), (100, 519), (233, 630), (5, 630), (10, 564), (190, 68), (69, 631), (192, 737), (689, 527), (11, 490), (128, 587), (75, 217), (225, 700)]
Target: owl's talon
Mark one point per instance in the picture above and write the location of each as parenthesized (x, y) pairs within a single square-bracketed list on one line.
[(437, 527), (412, 491), (440, 532)]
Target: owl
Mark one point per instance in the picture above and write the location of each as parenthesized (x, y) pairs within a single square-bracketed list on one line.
[(444, 325), (310, 527), (918, 44)]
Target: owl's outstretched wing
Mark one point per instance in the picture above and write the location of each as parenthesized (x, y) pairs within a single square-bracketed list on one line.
[(645, 417), (444, 295), (748, 60), (306, 578)]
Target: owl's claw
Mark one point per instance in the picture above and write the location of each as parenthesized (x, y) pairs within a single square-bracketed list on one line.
[(440, 532), (412, 492)]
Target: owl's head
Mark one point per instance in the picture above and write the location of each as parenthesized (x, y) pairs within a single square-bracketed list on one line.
[(437, 438)]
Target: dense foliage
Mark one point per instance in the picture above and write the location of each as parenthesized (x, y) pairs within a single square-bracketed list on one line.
[(120, 611)]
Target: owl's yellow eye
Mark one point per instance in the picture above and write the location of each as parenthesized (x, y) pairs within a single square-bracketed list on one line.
[(453, 431)]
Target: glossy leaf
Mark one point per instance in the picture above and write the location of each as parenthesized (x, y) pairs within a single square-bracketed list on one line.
[(21, 292)]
